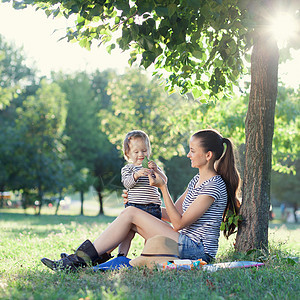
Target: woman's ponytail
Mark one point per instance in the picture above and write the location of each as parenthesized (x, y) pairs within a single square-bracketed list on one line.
[(211, 140), (227, 169)]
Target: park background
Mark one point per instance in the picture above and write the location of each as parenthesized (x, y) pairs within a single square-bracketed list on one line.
[(60, 149)]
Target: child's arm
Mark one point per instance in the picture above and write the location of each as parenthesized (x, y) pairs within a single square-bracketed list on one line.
[(127, 177), (142, 172)]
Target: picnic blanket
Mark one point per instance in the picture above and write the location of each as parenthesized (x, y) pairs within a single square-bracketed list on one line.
[(186, 264), (179, 264)]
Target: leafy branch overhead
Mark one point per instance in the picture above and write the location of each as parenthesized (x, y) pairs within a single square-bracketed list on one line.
[(200, 43)]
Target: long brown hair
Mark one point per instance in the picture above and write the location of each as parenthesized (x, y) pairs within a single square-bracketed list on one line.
[(211, 140)]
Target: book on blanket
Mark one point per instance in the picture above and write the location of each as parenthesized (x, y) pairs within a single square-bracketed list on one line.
[(187, 264)]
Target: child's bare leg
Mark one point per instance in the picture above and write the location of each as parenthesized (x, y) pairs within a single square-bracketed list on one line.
[(125, 245)]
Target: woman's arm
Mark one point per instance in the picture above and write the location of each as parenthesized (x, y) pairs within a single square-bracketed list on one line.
[(194, 212), (178, 205)]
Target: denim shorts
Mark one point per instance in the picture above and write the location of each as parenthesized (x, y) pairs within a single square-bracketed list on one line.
[(188, 249), (151, 208)]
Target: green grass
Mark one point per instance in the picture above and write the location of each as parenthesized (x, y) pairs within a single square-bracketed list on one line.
[(25, 239)]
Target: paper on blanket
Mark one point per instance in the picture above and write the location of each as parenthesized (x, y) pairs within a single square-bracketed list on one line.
[(187, 264), (230, 265)]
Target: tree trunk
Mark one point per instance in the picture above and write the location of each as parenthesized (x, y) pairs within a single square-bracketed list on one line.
[(1, 196), (295, 208), (24, 201), (40, 198), (101, 211), (81, 200), (58, 202), (259, 128)]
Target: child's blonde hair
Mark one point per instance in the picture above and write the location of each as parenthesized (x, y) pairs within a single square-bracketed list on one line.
[(132, 135)]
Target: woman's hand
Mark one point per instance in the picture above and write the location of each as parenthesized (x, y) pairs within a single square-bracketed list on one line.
[(125, 196), (152, 165), (155, 179)]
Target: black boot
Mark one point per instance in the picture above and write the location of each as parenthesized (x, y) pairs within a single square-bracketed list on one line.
[(85, 254)]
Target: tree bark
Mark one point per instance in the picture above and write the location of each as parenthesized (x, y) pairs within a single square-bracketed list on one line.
[(259, 128)]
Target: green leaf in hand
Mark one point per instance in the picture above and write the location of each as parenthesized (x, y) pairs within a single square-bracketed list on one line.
[(145, 162)]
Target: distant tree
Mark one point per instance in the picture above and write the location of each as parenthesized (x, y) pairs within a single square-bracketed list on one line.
[(14, 73), (96, 160), (106, 170), (15, 76), (99, 84), (137, 102), (80, 129), (40, 122), (286, 142), (7, 158), (63, 177), (108, 162)]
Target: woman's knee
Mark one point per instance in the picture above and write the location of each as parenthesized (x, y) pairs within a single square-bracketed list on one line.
[(129, 211)]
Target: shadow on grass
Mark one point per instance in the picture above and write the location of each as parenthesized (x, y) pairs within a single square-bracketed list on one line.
[(41, 223), (53, 219)]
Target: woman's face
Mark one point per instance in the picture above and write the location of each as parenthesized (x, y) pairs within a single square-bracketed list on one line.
[(197, 154)]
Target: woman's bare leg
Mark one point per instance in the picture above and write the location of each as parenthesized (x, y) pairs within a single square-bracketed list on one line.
[(132, 219)]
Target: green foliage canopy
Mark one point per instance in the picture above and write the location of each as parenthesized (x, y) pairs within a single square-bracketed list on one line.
[(140, 103), (200, 43)]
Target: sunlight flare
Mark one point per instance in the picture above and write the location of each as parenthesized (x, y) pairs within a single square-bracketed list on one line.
[(284, 27)]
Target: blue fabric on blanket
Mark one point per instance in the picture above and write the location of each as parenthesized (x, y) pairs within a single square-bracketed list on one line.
[(114, 264)]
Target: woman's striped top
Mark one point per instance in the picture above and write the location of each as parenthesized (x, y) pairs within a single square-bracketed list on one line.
[(207, 227), (140, 191)]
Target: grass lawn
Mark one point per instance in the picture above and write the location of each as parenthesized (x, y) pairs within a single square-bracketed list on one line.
[(25, 239)]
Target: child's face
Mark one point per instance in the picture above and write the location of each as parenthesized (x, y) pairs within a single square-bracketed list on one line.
[(137, 151)]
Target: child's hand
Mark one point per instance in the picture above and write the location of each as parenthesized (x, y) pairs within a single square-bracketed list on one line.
[(141, 172), (152, 165)]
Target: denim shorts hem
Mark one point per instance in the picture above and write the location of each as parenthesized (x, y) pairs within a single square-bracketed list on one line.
[(189, 249), (151, 208)]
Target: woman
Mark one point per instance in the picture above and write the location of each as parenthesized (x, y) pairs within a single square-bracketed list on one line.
[(195, 217)]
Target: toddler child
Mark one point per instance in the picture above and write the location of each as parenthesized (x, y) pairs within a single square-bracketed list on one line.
[(135, 179)]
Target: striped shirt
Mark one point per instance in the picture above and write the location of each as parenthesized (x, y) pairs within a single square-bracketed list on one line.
[(140, 191), (207, 227)]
